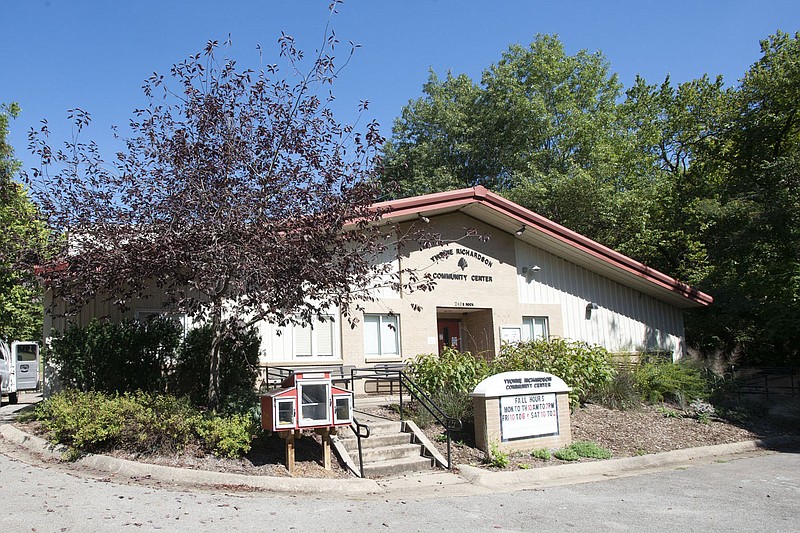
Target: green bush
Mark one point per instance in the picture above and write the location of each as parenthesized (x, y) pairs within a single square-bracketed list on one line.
[(238, 369), (451, 371), (497, 458), (583, 367), (136, 422), (449, 378), (86, 421), (666, 381), (585, 448), (140, 423), (115, 357), (229, 436), (582, 448), (456, 404), (621, 392), (541, 453), (566, 454)]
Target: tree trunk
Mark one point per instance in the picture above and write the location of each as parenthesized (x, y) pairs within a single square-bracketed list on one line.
[(213, 371)]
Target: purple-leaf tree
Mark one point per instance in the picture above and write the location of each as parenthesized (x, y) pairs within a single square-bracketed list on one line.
[(238, 197)]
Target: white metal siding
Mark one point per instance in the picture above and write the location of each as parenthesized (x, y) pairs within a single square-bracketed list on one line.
[(626, 320)]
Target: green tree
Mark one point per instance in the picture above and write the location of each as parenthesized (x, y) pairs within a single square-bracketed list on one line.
[(677, 141), (543, 128), (238, 197), (754, 236), (23, 240), (698, 180), (435, 145)]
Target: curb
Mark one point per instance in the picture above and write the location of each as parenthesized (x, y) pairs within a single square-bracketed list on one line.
[(578, 472), (182, 476), (470, 475)]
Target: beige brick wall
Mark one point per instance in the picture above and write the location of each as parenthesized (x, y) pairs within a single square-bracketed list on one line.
[(482, 306)]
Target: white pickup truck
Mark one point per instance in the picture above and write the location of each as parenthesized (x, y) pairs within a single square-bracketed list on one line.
[(19, 368)]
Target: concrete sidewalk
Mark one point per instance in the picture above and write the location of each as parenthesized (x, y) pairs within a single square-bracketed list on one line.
[(466, 480)]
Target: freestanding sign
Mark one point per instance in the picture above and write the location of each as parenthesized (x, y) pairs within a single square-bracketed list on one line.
[(522, 411)]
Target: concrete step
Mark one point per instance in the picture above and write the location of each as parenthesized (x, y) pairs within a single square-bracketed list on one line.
[(387, 453), (375, 441), (382, 427), (396, 467)]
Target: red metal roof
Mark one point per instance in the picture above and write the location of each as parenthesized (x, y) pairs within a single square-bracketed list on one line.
[(591, 251)]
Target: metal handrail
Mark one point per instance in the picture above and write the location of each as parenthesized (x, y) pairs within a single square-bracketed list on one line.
[(357, 428), (449, 423)]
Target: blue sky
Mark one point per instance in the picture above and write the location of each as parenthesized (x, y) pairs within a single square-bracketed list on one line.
[(94, 54)]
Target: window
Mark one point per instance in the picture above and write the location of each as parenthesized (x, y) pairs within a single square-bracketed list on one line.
[(27, 352), (146, 315), (382, 336), (534, 328), (315, 339)]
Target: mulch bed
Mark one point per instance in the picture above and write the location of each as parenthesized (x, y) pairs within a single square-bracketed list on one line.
[(648, 429)]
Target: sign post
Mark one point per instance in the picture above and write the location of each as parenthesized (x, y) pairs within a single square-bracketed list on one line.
[(522, 411)]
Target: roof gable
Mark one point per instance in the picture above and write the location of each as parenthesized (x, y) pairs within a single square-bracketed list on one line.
[(484, 205)]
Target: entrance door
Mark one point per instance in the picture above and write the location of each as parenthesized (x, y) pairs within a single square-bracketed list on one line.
[(449, 333)]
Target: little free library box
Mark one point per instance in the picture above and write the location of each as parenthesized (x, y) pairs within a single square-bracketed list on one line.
[(522, 411)]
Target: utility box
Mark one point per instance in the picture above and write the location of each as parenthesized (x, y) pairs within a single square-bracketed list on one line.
[(306, 400)]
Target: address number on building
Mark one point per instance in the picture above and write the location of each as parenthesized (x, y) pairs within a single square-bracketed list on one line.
[(464, 304)]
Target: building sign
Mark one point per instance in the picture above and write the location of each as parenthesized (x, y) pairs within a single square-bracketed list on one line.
[(528, 403), (510, 334), (528, 416), (463, 264)]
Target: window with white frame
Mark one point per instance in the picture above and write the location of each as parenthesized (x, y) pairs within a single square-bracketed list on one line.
[(534, 328), (146, 315), (382, 336), (315, 339)]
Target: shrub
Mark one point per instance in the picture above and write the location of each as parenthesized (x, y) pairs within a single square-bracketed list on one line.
[(238, 369), (702, 411), (620, 392), (227, 436), (456, 404), (541, 453), (451, 371), (139, 422), (136, 422), (497, 458), (583, 367), (86, 421), (566, 454), (667, 381), (585, 448), (115, 357), (449, 378)]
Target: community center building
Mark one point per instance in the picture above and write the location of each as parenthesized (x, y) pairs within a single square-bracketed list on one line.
[(503, 273)]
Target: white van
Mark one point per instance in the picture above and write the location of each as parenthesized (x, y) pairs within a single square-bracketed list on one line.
[(19, 368)]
